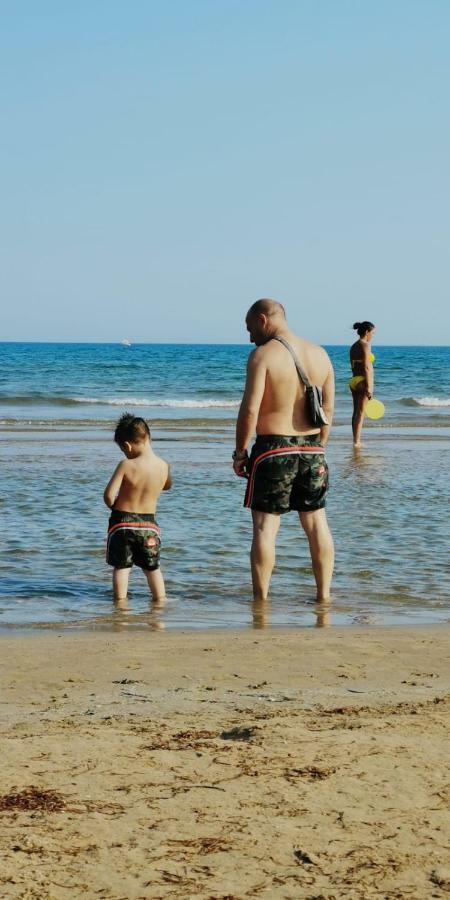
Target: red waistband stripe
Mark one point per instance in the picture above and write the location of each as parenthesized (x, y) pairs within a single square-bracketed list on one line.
[(147, 526)]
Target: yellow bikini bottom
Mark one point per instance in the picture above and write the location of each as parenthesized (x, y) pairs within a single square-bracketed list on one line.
[(353, 383)]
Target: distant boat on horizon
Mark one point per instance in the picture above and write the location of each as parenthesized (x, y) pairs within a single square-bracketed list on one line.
[(126, 343)]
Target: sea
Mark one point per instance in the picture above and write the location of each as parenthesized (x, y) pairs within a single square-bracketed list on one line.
[(388, 503)]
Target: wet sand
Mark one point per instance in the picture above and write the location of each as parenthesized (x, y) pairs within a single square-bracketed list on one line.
[(285, 764)]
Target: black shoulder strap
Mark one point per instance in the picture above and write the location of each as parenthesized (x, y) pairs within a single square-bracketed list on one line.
[(301, 372)]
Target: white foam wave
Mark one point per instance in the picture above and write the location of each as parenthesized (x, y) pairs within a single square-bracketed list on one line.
[(173, 404), (432, 401)]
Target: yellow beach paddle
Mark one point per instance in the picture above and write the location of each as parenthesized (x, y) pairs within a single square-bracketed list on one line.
[(374, 409)]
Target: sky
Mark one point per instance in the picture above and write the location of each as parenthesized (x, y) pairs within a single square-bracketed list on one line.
[(163, 165)]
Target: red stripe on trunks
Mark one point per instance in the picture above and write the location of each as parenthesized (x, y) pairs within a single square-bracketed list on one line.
[(150, 526)]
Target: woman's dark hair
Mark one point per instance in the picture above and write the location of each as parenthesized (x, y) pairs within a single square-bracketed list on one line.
[(131, 428), (362, 327)]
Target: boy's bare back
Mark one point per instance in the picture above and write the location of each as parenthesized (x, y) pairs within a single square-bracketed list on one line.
[(137, 482)]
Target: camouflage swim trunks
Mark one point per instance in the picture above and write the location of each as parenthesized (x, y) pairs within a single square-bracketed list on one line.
[(287, 472), (133, 538)]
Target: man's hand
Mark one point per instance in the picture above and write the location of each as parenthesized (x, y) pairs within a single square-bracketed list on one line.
[(240, 463)]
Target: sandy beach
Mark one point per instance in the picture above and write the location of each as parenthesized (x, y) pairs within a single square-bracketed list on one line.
[(297, 764)]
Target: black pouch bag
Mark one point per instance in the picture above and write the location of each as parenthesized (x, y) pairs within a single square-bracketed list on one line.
[(313, 393)]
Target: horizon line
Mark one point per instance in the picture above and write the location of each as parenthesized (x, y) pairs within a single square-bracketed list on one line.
[(191, 343)]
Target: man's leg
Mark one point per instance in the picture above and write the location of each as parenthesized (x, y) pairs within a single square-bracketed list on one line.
[(262, 556), (156, 584), (321, 547), (120, 584)]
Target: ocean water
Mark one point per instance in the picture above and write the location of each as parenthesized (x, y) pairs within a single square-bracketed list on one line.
[(388, 505)]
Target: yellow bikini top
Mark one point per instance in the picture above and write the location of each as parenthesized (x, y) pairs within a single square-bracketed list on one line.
[(372, 358)]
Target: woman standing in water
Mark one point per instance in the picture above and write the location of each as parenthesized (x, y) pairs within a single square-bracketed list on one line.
[(361, 382)]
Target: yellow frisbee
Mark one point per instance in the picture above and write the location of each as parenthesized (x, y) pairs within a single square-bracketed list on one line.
[(374, 409)]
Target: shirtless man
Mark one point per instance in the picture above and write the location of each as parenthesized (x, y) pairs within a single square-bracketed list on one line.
[(287, 468)]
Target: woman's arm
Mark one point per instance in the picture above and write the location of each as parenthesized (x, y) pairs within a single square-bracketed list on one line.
[(368, 368)]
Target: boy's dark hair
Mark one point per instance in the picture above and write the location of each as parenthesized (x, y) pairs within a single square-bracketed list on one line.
[(131, 428)]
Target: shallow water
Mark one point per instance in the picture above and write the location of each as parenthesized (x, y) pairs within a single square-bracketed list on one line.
[(388, 505)]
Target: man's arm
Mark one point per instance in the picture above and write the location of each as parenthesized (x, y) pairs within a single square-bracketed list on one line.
[(249, 408), (327, 404), (113, 486), (168, 482)]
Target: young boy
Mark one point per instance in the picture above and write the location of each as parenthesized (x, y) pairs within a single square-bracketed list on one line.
[(132, 494)]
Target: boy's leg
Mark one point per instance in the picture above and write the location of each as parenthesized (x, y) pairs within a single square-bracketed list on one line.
[(156, 585), (120, 584)]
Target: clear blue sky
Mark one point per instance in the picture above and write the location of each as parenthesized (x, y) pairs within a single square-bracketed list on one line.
[(164, 164)]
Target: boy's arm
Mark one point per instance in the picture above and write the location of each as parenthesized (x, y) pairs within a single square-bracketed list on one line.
[(113, 486), (168, 483)]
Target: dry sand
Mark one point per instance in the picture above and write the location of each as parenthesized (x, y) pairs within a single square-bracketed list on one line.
[(299, 764)]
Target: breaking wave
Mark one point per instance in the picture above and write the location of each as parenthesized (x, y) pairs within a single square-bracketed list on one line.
[(426, 401), (172, 404), (53, 400)]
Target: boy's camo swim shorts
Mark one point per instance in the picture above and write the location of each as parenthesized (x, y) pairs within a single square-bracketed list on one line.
[(287, 472), (133, 538)]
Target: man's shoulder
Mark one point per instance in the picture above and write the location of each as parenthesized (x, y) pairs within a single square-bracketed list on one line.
[(312, 357), (258, 355), (315, 350), (321, 352), (301, 345)]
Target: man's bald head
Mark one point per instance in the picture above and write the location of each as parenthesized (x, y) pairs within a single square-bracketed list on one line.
[(267, 307), (264, 320)]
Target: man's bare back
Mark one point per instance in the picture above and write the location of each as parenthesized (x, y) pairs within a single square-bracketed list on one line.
[(274, 398), (282, 409)]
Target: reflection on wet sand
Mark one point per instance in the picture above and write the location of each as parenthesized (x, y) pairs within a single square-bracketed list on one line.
[(122, 611), (261, 614), (362, 458), (323, 615)]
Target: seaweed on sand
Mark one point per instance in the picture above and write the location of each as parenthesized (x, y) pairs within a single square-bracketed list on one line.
[(32, 798)]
